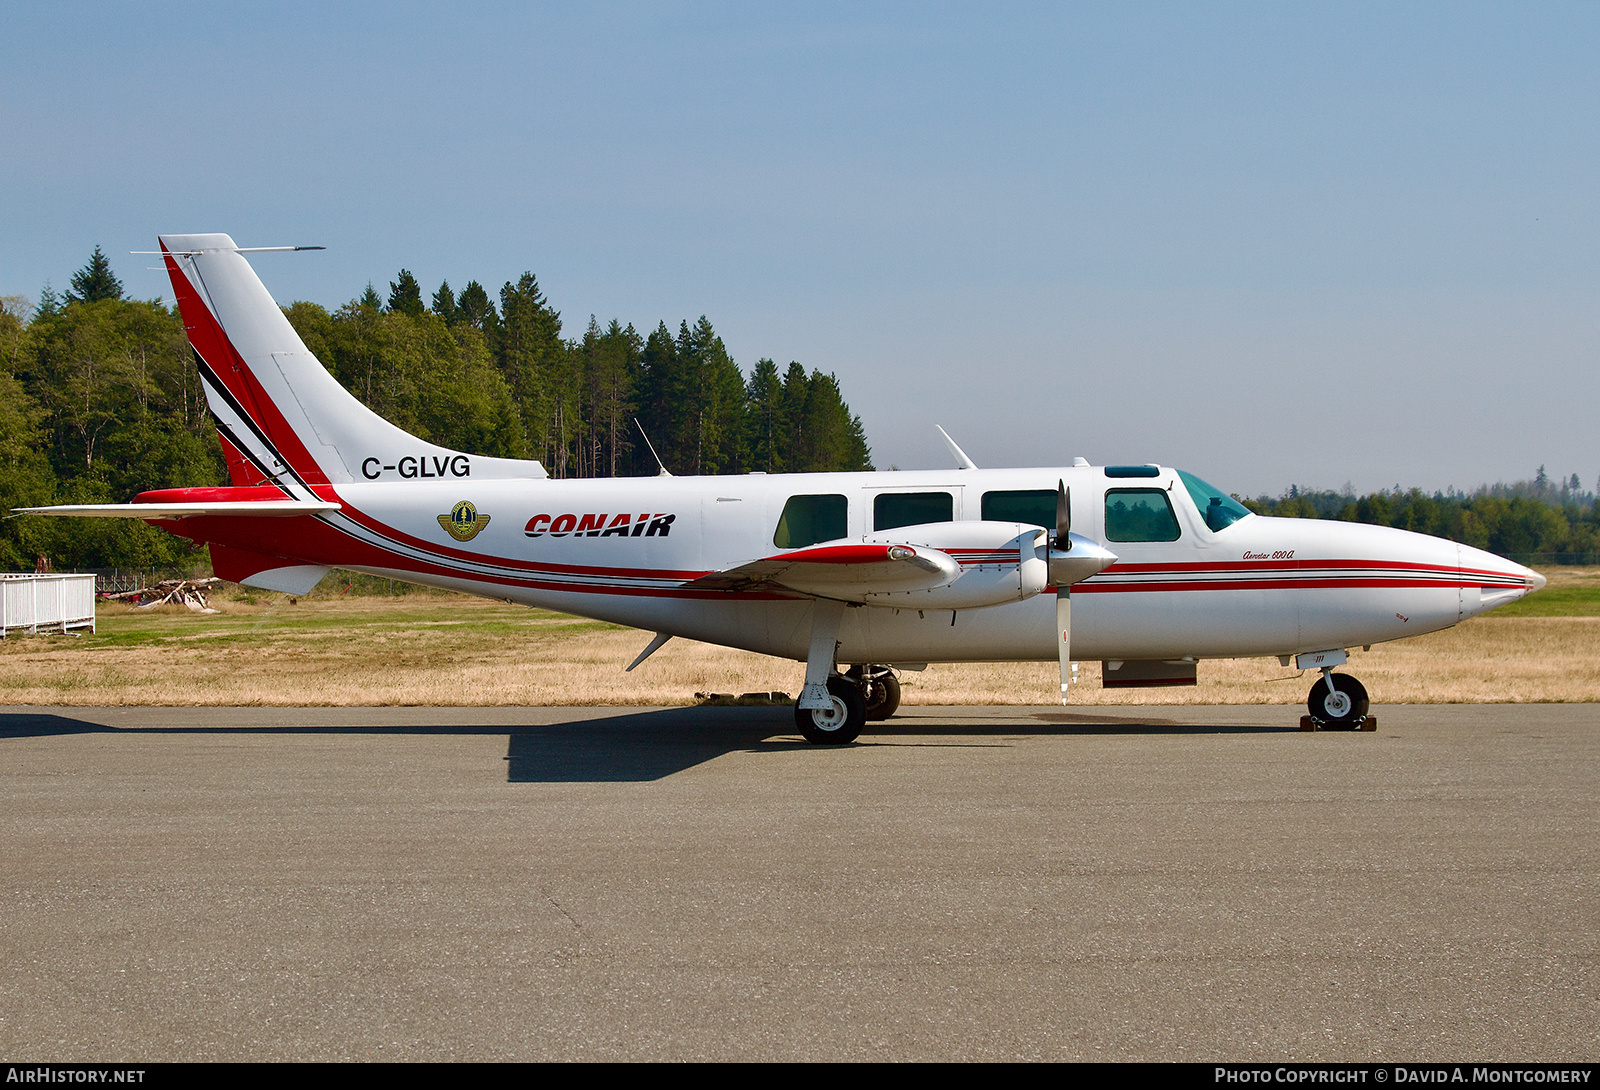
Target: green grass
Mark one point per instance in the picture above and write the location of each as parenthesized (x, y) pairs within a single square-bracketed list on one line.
[(118, 628), (1567, 601)]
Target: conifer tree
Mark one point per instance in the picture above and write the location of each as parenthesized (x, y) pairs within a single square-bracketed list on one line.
[(766, 428), (476, 309), (94, 281), (532, 361), (405, 295), (444, 304)]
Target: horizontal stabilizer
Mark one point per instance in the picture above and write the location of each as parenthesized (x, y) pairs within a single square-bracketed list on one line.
[(254, 508)]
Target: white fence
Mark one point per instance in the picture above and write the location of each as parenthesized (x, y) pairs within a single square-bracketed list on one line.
[(46, 603)]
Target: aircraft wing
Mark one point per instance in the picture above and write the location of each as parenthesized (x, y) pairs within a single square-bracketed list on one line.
[(845, 571), (257, 508)]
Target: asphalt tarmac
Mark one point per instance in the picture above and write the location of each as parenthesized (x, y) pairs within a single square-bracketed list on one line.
[(1185, 883)]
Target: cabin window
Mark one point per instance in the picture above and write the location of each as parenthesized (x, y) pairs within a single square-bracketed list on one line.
[(1219, 509), (1140, 514), (1035, 506), (891, 509), (807, 520)]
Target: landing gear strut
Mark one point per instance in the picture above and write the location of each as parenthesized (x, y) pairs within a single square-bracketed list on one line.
[(879, 687), (1337, 701), (831, 709)]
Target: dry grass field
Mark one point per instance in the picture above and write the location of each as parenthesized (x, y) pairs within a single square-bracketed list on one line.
[(437, 649)]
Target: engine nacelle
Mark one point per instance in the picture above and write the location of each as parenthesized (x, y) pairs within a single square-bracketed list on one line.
[(1000, 562)]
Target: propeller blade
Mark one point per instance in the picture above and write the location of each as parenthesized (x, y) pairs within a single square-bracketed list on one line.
[(1064, 631), (1063, 517)]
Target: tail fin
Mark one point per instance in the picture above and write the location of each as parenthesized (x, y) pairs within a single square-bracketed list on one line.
[(281, 417)]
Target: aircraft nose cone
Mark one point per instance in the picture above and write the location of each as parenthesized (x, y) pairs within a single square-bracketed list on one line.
[(1498, 581)]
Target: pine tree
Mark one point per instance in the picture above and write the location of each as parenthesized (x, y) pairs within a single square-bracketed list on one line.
[(532, 360), (49, 302), (94, 281), (405, 296), (474, 308), (661, 407), (444, 304), (764, 407)]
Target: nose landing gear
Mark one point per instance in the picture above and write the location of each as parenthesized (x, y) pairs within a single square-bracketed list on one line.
[(1337, 702)]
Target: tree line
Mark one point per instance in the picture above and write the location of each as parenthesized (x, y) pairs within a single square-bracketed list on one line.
[(504, 381), (1532, 521), (100, 400)]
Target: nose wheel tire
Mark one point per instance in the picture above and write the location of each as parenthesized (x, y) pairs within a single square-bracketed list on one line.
[(841, 722), (1343, 709)]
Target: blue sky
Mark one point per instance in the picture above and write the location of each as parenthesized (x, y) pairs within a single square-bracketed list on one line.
[(1269, 243)]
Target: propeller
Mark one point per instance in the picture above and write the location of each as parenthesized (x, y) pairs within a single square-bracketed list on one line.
[(1073, 558)]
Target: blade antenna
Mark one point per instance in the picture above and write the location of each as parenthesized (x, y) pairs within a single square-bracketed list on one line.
[(962, 461), (652, 447)]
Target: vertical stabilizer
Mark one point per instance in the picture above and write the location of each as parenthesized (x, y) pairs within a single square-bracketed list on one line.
[(281, 417)]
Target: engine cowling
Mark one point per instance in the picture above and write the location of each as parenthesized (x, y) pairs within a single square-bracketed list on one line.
[(999, 562)]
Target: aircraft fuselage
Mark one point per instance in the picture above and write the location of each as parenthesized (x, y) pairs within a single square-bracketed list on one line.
[(621, 550)]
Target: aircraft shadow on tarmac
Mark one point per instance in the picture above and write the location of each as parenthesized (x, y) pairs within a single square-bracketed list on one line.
[(650, 745), (655, 743)]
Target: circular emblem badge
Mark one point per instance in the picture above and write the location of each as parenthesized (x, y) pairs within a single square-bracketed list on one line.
[(463, 522)]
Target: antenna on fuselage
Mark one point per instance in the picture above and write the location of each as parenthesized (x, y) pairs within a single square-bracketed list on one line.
[(652, 447), (234, 250), (962, 461)]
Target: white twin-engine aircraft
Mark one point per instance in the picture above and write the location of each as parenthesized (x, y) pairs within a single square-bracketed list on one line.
[(882, 571)]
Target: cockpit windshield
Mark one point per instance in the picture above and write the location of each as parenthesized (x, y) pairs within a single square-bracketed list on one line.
[(1219, 509)]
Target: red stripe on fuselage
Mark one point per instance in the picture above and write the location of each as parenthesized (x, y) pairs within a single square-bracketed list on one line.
[(383, 529), (312, 541), (1346, 583)]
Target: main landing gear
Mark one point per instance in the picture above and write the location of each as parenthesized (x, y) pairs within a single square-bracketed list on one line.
[(840, 722), (864, 693), (879, 687), (834, 707), (861, 695), (1338, 702)]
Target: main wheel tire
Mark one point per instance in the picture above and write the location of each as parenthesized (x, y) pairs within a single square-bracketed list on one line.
[(840, 723), (883, 697), (1342, 709), (879, 688)]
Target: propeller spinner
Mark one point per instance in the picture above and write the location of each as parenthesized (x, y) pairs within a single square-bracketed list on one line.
[(1073, 558)]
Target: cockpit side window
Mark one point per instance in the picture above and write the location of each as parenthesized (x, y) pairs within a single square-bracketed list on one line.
[(1219, 509), (1035, 506), (891, 509), (807, 520), (1140, 514)]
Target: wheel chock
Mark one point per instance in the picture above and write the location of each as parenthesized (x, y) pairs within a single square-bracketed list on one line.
[(1370, 723)]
